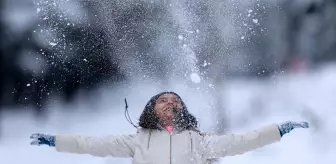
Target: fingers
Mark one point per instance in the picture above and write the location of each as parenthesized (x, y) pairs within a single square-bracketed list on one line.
[(35, 136), (301, 125), (35, 142), (305, 125), (36, 139)]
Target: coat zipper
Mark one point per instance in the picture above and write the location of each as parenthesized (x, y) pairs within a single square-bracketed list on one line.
[(170, 156), (191, 142), (149, 137)]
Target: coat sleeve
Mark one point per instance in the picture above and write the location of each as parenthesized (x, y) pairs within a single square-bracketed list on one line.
[(116, 146), (217, 146)]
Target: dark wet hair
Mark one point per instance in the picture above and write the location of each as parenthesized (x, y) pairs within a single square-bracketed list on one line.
[(149, 120)]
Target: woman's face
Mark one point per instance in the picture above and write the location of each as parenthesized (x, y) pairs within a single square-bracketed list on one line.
[(164, 107)]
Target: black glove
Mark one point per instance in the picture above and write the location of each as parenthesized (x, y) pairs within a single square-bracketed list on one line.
[(43, 139), (287, 127)]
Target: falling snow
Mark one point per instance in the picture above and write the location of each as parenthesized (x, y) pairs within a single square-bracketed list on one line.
[(195, 78), (255, 21), (180, 37), (52, 44)]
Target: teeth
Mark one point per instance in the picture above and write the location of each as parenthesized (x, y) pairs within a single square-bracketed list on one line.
[(169, 108)]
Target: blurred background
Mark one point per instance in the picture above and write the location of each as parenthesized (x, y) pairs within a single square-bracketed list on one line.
[(67, 65)]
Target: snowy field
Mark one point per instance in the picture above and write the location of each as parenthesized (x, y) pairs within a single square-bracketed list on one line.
[(250, 104)]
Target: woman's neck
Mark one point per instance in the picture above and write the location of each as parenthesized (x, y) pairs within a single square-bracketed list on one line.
[(170, 129)]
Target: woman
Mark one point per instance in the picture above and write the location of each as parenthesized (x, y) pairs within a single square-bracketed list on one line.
[(168, 135)]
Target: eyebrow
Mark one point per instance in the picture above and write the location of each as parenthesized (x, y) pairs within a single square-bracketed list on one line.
[(162, 98)]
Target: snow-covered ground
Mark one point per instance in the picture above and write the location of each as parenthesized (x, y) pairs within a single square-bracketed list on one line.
[(250, 104)]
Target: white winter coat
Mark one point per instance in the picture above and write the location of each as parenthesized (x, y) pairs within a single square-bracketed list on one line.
[(159, 147)]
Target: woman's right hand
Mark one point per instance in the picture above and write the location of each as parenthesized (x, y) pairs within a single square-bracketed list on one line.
[(42, 139)]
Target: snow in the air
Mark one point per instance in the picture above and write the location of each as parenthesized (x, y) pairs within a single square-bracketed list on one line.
[(52, 44), (255, 20), (180, 37), (195, 78)]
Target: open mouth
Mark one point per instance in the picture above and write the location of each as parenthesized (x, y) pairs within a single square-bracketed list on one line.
[(168, 109)]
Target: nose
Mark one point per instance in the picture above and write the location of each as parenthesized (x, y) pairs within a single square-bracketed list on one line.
[(172, 102)]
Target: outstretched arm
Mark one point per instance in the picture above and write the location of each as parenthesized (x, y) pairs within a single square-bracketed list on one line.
[(116, 146), (216, 146)]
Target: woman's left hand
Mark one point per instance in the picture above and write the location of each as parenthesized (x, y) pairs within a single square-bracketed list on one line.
[(287, 127)]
